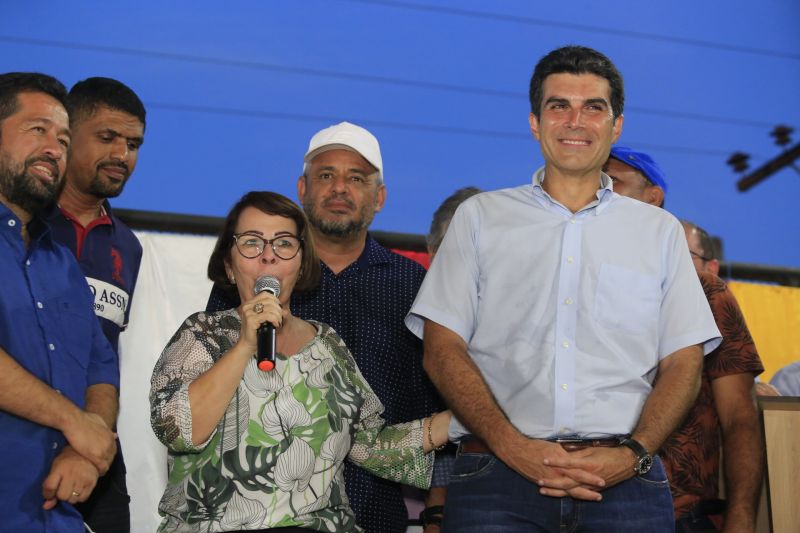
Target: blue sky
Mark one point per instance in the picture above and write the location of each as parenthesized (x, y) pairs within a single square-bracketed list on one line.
[(234, 91)]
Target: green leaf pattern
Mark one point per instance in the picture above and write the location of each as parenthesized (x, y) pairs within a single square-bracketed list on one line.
[(276, 457)]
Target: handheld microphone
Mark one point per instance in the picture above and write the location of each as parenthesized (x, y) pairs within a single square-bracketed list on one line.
[(265, 353)]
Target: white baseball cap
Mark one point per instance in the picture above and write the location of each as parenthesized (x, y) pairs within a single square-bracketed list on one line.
[(347, 136)]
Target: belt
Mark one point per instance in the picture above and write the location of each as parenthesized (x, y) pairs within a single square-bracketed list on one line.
[(475, 445)]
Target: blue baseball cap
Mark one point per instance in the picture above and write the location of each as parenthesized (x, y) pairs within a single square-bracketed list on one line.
[(641, 162)]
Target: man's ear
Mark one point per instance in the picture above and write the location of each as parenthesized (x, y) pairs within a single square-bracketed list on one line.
[(534, 122), (655, 195), (713, 266), (380, 198), (301, 188), (617, 131)]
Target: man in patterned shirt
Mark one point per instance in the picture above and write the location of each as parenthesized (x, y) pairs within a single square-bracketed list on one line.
[(725, 411), (364, 294)]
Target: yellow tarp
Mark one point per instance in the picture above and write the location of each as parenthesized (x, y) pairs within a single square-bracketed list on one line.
[(773, 316)]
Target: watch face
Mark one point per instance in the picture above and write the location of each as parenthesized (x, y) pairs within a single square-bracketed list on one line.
[(644, 465)]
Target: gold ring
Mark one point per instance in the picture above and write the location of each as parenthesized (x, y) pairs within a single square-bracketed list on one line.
[(258, 308), (76, 494)]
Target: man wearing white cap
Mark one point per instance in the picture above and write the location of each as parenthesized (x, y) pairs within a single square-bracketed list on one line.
[(364, 293), (341, 189)]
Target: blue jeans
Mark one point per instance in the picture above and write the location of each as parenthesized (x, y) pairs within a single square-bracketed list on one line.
[(485, 496)]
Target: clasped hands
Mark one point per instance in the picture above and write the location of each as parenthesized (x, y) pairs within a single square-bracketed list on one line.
[(88, 455), (581, 474)]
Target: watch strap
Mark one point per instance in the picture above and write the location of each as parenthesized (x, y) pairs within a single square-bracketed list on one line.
[(432, 516), (636, 446), (644, 461)]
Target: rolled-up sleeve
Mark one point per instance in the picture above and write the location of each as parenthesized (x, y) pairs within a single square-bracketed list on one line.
[(186, 356)]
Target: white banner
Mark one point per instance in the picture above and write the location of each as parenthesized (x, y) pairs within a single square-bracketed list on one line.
[(172, 285)]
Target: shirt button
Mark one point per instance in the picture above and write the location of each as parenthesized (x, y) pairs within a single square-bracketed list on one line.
[(568, 301), (569, 259), (28, 262), (55, 445), (565, 344), (58, 391), (51, 346), (564, 386), (572, 221), (40, 305), (12, 223)]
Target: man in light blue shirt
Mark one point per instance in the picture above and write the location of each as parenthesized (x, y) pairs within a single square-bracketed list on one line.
[(566, 327)]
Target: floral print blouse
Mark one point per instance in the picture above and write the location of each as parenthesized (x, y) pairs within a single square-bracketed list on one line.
[(276, 457)]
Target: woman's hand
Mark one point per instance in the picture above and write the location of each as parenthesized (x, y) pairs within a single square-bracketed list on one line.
[(262, 308)]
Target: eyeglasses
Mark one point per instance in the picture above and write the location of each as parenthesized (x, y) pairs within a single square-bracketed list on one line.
[(252, 246), (700, 257)]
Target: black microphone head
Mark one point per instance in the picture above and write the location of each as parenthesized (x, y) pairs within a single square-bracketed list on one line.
[(268, 283)]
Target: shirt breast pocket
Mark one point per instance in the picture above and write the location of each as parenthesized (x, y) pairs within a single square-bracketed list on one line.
[(76, 332), (626, 299)]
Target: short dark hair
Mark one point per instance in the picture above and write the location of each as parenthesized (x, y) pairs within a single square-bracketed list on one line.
[(444, 213), (707, 243), (270, 203), (86, 96), (577, 60), (13, 83)]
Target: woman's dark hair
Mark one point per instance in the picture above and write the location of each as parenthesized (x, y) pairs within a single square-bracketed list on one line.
[(270, 203)]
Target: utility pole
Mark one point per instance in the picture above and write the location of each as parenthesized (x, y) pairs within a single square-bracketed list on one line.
[(782, 138)]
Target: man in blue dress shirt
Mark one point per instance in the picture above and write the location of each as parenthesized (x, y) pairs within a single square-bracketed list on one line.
[(58, 373), (565, 327)]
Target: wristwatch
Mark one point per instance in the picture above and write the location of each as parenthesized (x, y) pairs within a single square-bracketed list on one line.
[(644, 461), (432, 516)]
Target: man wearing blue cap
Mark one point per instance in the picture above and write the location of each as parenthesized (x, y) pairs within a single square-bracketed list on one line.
[(724, 412), (636, 175)]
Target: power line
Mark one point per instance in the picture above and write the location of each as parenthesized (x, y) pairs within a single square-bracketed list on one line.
[(303, 71), (258, 65), (500, 17), (407, 126)]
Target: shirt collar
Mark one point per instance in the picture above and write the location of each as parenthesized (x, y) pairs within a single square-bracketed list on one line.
[(373, 254), (37, 227), (604, 193), (104, 218)]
